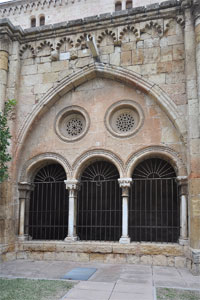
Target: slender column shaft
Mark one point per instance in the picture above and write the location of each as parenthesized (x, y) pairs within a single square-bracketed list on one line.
[(183, 218), (22, 216), (72, 186), (125, 212), (72, 213), (123, 4), (183, 194), (24, 196), (125, 184), (4, 49)]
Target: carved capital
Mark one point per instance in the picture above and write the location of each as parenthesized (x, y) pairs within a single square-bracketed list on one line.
[(183, 184), (24, 189), (125, 182), (186, 3), (4, 42), (72, 185)]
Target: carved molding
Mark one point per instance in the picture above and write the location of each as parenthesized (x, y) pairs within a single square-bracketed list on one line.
[(64, 40), (127, 29), (86, 157), (161, 151), (105, 33), (82, 41), (25, 48), (45, 44), (30, 168), (153, 25)]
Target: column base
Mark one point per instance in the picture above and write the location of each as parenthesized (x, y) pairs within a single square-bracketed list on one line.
[(24, 237), (125, 240), (183, 242), (70, 239), (196, 262)]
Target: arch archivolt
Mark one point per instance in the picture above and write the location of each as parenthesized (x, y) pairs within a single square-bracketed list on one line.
[(32, 166), (156, 151), (93, 155)]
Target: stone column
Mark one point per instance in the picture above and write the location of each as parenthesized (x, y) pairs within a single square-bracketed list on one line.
[(72, 186), (183, 194), (25, 189), (125, 184), (4, 53), (123, 4)]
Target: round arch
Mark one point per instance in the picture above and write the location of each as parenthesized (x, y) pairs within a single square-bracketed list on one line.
[(32, 166), (93, 155), (157, 152), (103, 71)]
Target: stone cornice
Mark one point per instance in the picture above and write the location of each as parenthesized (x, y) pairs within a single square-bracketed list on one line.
[(166, 10), (8, 29), (23, 6)]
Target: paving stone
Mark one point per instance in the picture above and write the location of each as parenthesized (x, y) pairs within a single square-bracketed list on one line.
[(76, 293)]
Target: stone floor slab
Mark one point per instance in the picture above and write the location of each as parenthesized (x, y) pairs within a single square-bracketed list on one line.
[(129, 296), (97, 286), (76, 293)]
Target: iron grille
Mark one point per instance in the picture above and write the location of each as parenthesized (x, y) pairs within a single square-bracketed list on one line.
[(99, 215), (154, 214), (48, 209)]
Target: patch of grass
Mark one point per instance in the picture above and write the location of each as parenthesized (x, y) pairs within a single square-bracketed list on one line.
[(177, 294), (27, 289)]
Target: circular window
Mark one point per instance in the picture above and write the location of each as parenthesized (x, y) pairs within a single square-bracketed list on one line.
[(124, 118), (72, 123)]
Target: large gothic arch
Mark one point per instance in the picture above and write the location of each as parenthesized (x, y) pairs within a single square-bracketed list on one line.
[(103, 71)]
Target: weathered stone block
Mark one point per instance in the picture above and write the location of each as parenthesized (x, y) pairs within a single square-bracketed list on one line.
[(159, 260), (115, 59), (49, 255), (49, 77), (126, 58), (44, 68), (138, 57), (146, 260), (180, 262), (178, 52), (164, 67), (133, 259), (115, 258)]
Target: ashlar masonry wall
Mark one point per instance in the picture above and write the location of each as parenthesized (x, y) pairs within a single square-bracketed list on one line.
[(21, 12), (144, 44)]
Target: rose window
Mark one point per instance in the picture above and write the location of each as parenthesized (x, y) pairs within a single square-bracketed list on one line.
[(74, 127), (124, 118), (125, 122), (72, 123)]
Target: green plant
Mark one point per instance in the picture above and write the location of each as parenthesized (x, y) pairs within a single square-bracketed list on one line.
[(5, 137)]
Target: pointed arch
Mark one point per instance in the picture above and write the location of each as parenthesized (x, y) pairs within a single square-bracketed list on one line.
[(101, 70)]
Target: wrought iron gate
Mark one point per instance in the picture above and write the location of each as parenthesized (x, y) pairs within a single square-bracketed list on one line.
[(47, 216), (154, 213), (99, 215)]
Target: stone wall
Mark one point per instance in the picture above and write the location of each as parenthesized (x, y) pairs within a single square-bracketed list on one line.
[(21, 12), (135, 253), (143, 56)]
